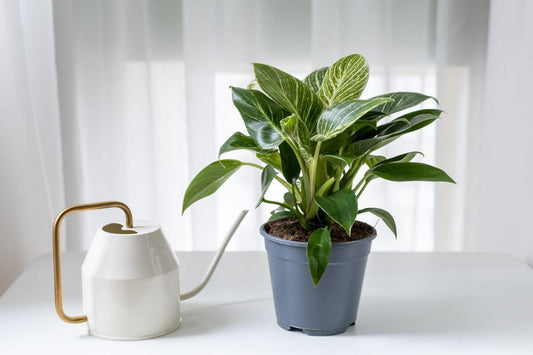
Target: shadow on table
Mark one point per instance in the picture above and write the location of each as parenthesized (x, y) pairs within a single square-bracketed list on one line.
[(425, 316), (198, 318)]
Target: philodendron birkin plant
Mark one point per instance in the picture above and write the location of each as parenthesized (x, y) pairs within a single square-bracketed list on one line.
[(314, 137)]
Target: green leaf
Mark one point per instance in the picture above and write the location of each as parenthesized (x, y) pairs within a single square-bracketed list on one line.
[(372, 160), (298, 132), (338, 161), (289, 163), (240, 141), (341, 206), (325, 186), (344, 80), (407, 171), (289, 126), (359, 148), (409, 122), (251, 85), (261, 116), (375, 160), (318, 253), (337, 118), (280, 215), (315, 79), (402, 101), (289, 92), (405, 157), (267, 176), (385, 217), (270, 159), (207, 181), (288, 198)]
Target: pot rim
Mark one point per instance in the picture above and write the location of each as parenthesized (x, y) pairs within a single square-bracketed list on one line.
[(295, 243)]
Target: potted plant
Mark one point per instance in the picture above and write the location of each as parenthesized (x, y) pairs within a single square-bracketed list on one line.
[(314, 137)]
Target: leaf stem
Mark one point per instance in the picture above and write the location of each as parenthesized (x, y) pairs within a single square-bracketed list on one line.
[(284, 205), (280, 180), (313, 168), (359, 184), (312, 180), (303, 167)]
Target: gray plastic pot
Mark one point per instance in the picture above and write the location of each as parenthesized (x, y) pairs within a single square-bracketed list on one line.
[(329, 308)]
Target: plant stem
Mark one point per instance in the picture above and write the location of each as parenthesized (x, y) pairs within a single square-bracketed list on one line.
[(280, 180), (294, 196), (312, 180), (314, 164), (284, 205), (303, 167), (347, 180), (359, 184)]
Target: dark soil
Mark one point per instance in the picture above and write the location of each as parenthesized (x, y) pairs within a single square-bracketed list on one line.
[(290, 229)]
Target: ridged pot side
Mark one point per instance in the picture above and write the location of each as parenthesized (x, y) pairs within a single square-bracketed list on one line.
[(329, 308)]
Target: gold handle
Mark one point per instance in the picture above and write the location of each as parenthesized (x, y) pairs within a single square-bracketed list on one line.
[(57, 250)]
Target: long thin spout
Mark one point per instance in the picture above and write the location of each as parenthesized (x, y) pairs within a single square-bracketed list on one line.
[(216, 259)]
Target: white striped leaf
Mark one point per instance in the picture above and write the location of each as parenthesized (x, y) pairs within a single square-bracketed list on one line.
[(402, 101), (273, 159), (261, 116), (290, 93), (337, 118), (315, 79), (344, 80)]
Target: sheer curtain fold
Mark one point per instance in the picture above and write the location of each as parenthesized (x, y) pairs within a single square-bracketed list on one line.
[(31, 180), (121, 96), (503, 188)]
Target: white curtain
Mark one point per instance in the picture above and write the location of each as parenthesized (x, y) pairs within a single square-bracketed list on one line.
[(143, 88), (128, 100), (31, 180), (502, 187)]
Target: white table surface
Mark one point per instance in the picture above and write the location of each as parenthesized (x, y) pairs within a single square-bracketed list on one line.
[(412, 303)]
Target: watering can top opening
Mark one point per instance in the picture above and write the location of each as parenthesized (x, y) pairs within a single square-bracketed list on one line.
[(140, 227)]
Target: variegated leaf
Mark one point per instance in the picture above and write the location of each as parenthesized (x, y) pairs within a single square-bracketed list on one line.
[(337, 118), (315, 79), (289, 92), (273, 159), (344, 80), (402, 101), (261, 116)]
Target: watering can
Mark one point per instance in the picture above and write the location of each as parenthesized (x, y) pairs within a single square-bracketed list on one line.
[(130, 278)]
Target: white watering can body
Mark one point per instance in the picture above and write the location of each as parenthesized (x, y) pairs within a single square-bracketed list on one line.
[(130, 278)]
